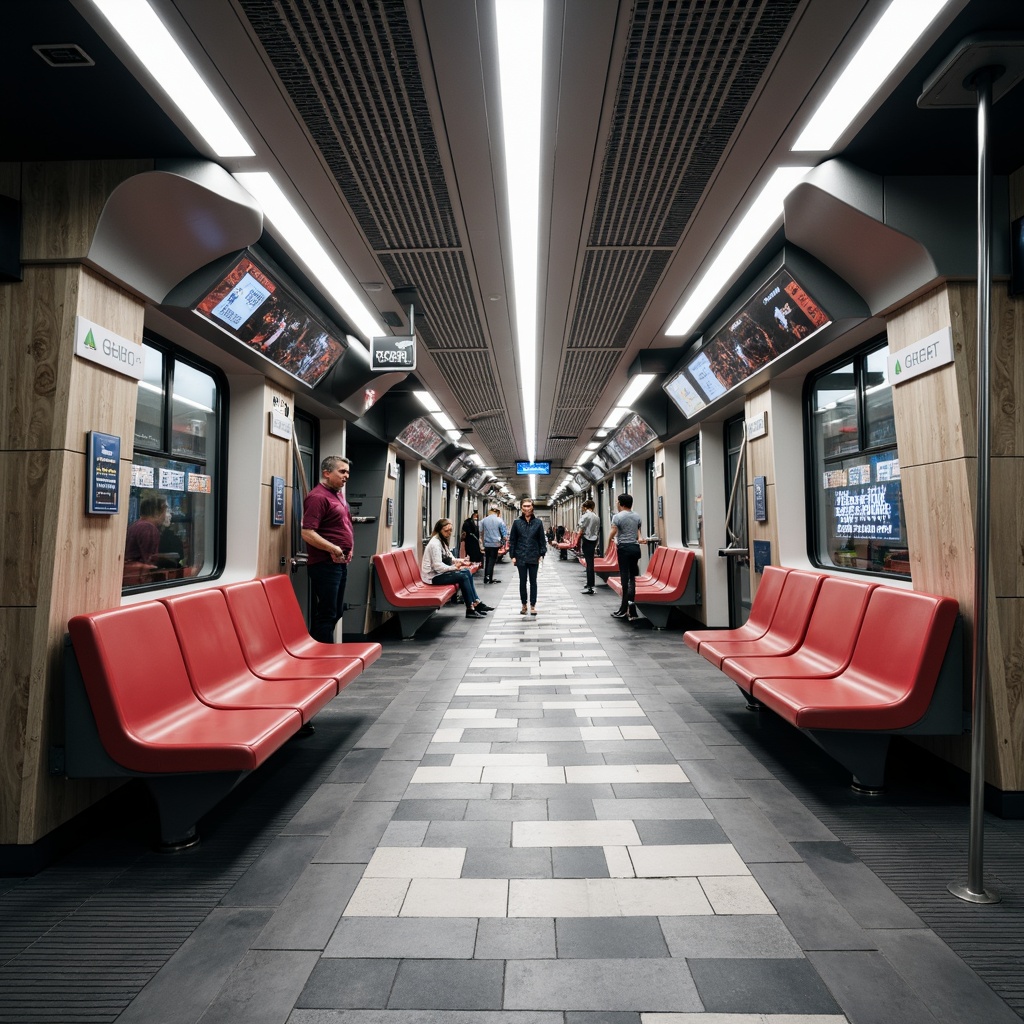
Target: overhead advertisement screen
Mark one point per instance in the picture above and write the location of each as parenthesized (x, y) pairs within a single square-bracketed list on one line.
[(422, 438), (629, 438), (250, 305), (778, 316)]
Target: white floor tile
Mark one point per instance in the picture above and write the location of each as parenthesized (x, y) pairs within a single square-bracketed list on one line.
[(443, 773), (618, 861), (551, 734), (639, 732), (611, 773), (689, 860), (575, 833), (561, 897), (377, 897), (456, 897), (447, 736), (471, 713), (664, 897), (519, 775), (630, 712), (600, 732), (731, 894), (415, 862)]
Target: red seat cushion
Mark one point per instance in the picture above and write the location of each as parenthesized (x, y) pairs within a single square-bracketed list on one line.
[(828, 644), (891, 677), (291, 626), (148, 716), (766, 600), (216, 666), (788, 624)]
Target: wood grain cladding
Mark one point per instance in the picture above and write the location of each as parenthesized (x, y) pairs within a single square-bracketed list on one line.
[(275, 542), (385, 537), (935, 423), (62, 202)]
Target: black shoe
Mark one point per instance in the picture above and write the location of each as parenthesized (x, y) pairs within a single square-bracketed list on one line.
[(619, 614), (481, 607), (473, 614), (588, 590), (492, 580)]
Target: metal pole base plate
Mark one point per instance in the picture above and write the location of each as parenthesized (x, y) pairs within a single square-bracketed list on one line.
[(961, 892)]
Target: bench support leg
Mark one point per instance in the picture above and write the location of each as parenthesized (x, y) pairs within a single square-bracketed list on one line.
[(657, 613), (183, 799), (863, 753), (411, 620), (752, 705)]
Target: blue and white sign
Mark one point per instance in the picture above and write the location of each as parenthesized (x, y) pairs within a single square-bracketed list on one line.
[(533, 468), (104, 474), (927, 354), (867, 513)]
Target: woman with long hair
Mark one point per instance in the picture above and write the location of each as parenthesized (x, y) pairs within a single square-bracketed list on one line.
[(440, 566)]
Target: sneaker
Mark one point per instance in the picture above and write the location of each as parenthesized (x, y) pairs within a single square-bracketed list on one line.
[(493, 580), (618, 614), (473, 614), (481, 607), (588, 590)]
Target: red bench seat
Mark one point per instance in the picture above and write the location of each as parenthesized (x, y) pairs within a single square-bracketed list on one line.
[(668, 583), (607, 564), (761, 611), (398, 588)]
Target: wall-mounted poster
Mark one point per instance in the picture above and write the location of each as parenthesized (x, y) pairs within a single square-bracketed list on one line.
[(103, 474)]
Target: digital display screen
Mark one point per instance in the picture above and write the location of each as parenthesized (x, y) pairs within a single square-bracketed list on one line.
[(422, 438), (533, 468), (629, 438), (250, 305), (454, 465), (778, 316)]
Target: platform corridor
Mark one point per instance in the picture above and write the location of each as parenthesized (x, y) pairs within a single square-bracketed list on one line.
[(523, 820)]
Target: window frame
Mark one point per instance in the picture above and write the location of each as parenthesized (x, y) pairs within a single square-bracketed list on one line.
[(859, 358), (172, 355)]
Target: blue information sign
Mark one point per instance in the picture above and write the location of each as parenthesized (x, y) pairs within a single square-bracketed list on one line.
[(533, 468), (104, 474)]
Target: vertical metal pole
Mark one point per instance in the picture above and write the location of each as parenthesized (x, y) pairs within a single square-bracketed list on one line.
[(974, 891)]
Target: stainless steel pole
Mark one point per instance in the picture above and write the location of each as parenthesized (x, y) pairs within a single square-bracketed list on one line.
[(974, 891)]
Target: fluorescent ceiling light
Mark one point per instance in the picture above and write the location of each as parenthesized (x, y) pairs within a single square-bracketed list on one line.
[(443, 420), (593, 446), (428, 401), (147, 37), (601, 433), (757, 222), (899, 28), (636, 387), (613, 417), (304, 246), (520, 31), (454, 435), (584, 458)]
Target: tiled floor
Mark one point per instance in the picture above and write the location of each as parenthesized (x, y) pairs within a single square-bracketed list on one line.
[(543, 825)]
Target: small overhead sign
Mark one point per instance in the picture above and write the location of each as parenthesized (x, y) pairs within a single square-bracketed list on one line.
[(927, 354), (533, 468), (387, 354)]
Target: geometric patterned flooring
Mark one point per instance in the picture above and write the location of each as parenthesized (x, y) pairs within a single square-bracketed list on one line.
[(542, 825)]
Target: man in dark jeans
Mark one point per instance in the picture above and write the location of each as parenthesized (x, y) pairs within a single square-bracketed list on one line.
[(590, 528), (327, 531)]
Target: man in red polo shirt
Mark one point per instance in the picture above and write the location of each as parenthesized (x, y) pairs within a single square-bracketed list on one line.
[(327, 531)]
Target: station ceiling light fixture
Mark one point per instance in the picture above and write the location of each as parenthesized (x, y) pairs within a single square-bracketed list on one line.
[(520, 38)]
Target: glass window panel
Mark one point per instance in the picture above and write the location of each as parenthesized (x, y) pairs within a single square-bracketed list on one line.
[(691, 491), (149, 402), (835, 412), (881, 425)]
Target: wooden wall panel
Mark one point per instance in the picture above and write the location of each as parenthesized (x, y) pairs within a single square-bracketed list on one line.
[(15, 683), (275, 542), (63, 202), (1007, 539)]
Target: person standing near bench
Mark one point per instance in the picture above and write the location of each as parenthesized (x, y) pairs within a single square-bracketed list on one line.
[(327, 531), (471, 538), (589, 527), (440, 566), (627, 532), (527, 547), (494, 533)]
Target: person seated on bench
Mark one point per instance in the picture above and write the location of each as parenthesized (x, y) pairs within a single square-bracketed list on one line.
[(440, 566)]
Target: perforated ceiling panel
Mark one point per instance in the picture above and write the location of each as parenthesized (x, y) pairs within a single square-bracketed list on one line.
[(690, 69), (350, 69)]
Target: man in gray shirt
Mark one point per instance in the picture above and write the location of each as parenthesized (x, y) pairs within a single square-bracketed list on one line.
[(627, 532), (590, 528)]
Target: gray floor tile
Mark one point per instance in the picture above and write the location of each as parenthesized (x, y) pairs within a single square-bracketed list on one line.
[(357, 833), (409, 747), (380, 735), (344, 984), (609, 938), (653, 790), (308, 914), (947, 986), (448, 985), (809, 910), (403, 937), (871, 903), (792, 819), (729, 936), (357, 765), (430, 810), (569, 791), (676, 833), (262, 989), (740, 763), (655, 986), (506, 810), (273, 873), (761, 986), (756, 839), (521, 862), (195, 975), (388, 781), (322, 810), (579, 862), (503, 938), (469, 833), (569, 809), (602, 1017)]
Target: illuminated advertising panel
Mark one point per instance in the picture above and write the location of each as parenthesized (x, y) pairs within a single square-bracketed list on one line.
[(421, 438)]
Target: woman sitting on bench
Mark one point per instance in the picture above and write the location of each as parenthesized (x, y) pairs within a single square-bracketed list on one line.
[(440, 566)]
